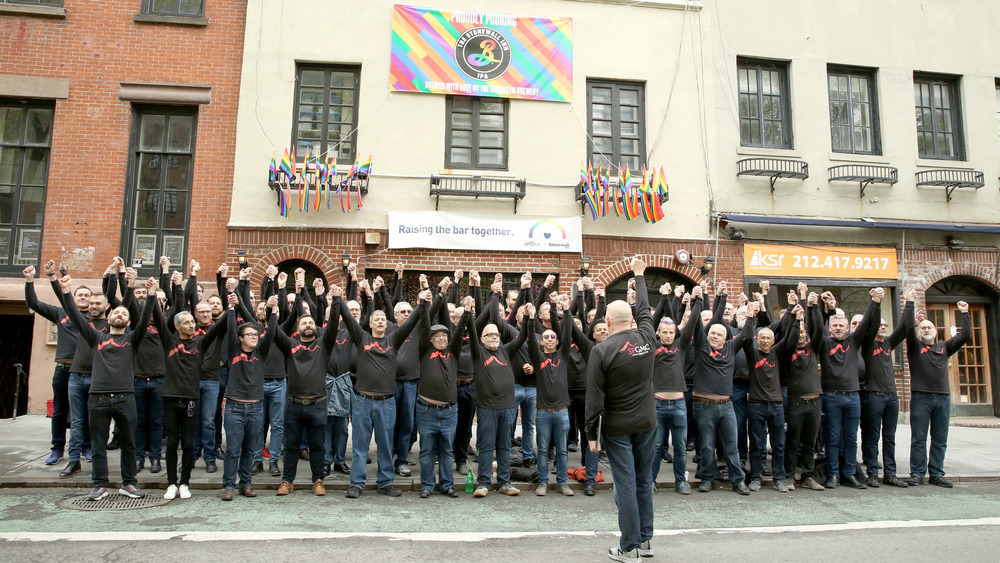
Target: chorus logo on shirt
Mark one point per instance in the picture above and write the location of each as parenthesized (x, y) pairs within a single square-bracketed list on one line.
[(635, 350)]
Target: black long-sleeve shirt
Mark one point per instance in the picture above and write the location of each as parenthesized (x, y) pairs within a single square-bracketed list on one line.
[(552, 370), (620, 376), (439, 368), (494, 378), (83, 357), (114, 357), (880, 376), (838, 359), (929, 362), (377, 356), (246, 370), (184, 356), (714, 374), (765, 377), (668, 369), (66, 332)]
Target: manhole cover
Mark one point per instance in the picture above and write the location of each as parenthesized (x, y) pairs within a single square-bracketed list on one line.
[(114, 501)]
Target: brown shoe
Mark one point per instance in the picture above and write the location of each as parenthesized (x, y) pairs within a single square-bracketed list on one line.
[(248, 492), (284, 488), (227, 494), (318, 488)]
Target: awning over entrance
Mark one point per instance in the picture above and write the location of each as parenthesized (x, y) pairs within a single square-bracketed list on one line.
[(863, 223)]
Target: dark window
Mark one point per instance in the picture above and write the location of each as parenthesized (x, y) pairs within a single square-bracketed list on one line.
[(25, 138), (326, 112), (616, 123), (939, 126), (476, 133), (158, 199), (765, 115), (853, 111), (182, 8), (56, 3)]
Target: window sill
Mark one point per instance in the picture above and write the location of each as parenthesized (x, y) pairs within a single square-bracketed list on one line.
[(858, 158), (777, 153), (170, 20), (477, 172), (949, 164), (26, 10)]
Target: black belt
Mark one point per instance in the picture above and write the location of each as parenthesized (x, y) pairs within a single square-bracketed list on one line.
[(433, 406), (698, 399), (274, 378), (307, 402), (466, 383), (882, 392), (373, 397), (841, 392)]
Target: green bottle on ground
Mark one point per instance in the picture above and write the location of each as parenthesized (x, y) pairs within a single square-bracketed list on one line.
[(468, 481)]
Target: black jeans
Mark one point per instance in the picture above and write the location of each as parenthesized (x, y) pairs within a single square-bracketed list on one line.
[(578, 421), (60, 407), (103, 408), (179, 419), (879, 415), (463, 430), (312, 419), (803, 420)]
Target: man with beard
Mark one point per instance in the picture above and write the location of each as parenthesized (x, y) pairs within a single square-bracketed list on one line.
[(112, 389)]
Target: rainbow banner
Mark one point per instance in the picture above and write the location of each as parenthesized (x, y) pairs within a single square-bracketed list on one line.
[(481, 54)]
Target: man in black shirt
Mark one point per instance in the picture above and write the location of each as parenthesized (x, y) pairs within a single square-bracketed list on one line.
[(930, 393), (620, 408), (804, 412), (880, 404), (112, 389)]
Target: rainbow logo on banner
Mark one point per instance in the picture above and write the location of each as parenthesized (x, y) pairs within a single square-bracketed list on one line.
[(481, 54), (547, 234)]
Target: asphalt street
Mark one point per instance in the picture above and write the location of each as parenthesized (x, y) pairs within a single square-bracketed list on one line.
[(888, 524)]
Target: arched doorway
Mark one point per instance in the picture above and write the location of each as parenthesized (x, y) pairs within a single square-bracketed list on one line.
[(973, 370), (655, 277), (312, 272)]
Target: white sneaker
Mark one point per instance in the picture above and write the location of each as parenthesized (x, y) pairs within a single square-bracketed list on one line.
[(616, 554), (171, 493), (184, 491)]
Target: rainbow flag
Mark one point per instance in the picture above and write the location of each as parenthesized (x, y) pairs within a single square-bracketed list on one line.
[(660, 189), (285, 166), (645, 197), (661, 185), (607, 190), (366, 168), (272, 169), (331, 176), (599, 191)]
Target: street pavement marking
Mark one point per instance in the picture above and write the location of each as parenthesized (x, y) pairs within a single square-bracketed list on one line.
[(466, 537)]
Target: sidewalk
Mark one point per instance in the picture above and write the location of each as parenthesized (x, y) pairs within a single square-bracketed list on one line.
[(25, 442)]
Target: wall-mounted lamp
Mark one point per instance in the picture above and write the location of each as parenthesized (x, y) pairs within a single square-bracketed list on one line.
[(584, 266), (955, 243), (241, 259), (708, 265), (346, 260)]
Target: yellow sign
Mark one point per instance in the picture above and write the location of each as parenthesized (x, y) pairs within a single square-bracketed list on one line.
[(819, 261)]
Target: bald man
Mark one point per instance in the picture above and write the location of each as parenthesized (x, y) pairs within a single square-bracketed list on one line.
[(930, 393)]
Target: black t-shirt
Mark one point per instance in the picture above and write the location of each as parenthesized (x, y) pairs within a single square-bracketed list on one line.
[(716, 368), (377, 356), (881, 377), (929, 362), (494, 377), (552, 370), (838, 359), (668, 369), (246, 370), (765, 378), (183, 358), (439, 368), (66, 332)]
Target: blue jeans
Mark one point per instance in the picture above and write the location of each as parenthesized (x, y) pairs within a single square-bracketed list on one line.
[(437, 434), (928, 410), (630, 456), (765, 419), (526, 398), (336, 439), (370, 416), (717, 420), (149, 407), (741, 402), (310, 419), (406, 397), (60, 407), (493, 431), (880, 412), (552, 426), (204, 439), (274, 406), (243, 422), (671, 419), (79, 426), (103, 408), (842, 412)]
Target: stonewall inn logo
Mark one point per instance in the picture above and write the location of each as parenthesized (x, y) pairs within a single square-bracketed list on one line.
[(483, 53)]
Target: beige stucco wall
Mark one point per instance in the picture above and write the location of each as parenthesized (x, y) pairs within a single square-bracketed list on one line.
[(406, 132), (895, 37)]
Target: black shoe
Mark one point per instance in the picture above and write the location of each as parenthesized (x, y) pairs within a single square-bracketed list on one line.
[(852, 482), (832, 483), (450, 492), (706, 487), (390, 490), (690, 446), (667, 458), (113, 444), (872, 482), (368, 461), (529, 463), (342, 468), (940, 481), (741, 488), (894, 481), (573, 447), (210, 467), (273, 469), (353, 492), (603, 457), (71, 469), (914, 481), (258, 467), (139, 465), (766, 471), (155, 467), (326, 469), (425, 493), (589, 489)]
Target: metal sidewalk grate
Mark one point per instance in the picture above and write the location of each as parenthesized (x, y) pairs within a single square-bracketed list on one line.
[(114, 501)]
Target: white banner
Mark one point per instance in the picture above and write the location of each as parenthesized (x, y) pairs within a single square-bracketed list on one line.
[(470, 231)]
